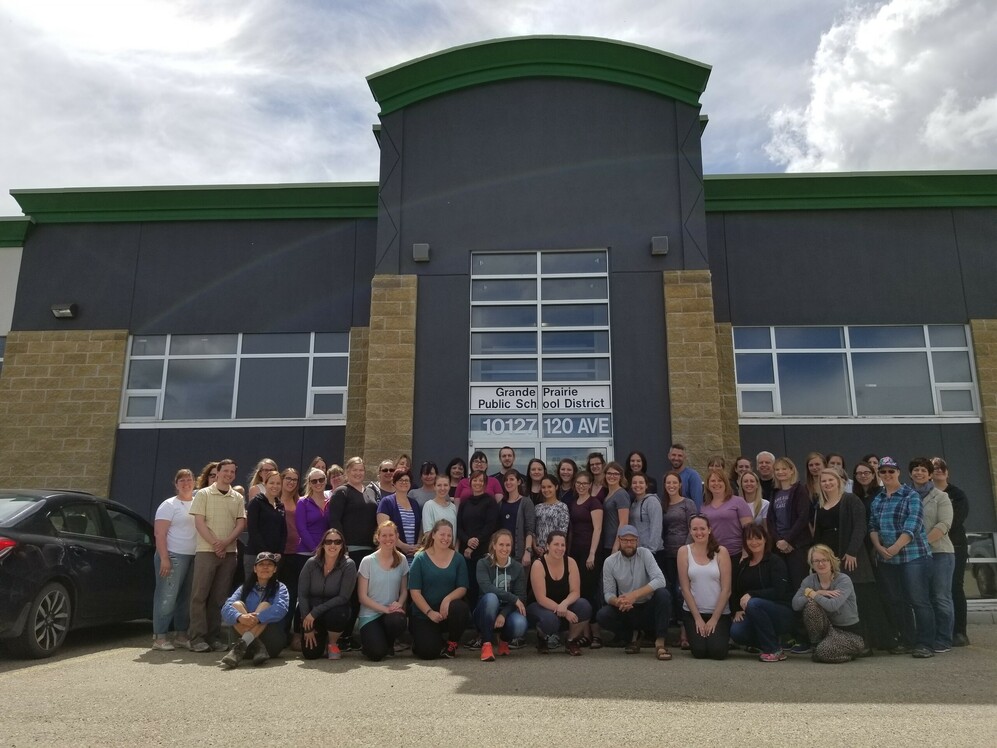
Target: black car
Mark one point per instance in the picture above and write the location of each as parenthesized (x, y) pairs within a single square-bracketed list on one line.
[(69, 560)]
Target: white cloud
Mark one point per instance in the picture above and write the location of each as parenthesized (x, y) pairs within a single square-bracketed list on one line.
[(906, 85)]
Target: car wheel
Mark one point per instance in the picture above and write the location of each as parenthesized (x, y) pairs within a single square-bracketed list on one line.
[(986, 580), (48, 623)]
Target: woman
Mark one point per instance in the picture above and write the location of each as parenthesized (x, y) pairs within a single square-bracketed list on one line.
[(717, 462), (830, 610), (479, 464), (176, 542), (553, 514), (317, 462), (595, 464), (567, 469), (677, 511), (728, 513), (382, 588), (403, 512), (289, 569), (789, 513), (957, 534), (637, 463), (437, 586), (705, 579), (208, 474), (259, 602), (865, 484), (310, 514), (559, 604), (761, 597), (335, 477), (258, 477), (835, 460), (750, 488), (646, 515), (441, 507), (815, 463), (477, 518), (456, 471), (535, 472), (325, 588), (616, 509), (403, 463), (265, 521), (839, 523), (741, 466), (519, 518), (938, 514), (501, 610), (585, 531)]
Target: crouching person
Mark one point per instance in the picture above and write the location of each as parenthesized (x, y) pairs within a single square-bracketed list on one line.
[(830, 611), (325, 589), (261, 601)]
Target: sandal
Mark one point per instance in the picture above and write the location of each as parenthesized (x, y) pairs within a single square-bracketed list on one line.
[(663, 654), (573, 647), (596, 643), (632, 648), (583, 641)]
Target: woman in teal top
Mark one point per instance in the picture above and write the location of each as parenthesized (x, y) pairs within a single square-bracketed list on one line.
[(437, 586), (382, 586)]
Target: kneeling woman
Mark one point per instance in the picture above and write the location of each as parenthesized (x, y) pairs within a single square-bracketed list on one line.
[(830, 610), (324, 591), (761, 596), (557, 586), (382, 586), (261, 601), (704, 574), (501, 606), (437, 586)]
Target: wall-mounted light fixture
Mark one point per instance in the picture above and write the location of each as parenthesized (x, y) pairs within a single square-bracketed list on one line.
[(420, 253), (659, 245), (64, 311)]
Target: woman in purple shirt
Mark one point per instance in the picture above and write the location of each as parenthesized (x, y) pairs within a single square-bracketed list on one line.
[(727, 513), (309, 517)]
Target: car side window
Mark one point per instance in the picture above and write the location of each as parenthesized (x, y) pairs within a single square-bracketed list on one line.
[(77, 519), (128, 528)]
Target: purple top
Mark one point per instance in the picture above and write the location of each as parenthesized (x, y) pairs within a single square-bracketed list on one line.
[(725, 522), (492, 488), (311, 523), (581, 525)]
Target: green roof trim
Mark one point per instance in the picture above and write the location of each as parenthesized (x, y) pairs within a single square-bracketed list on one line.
[(13, 230), (731, 193), (199, 203), (539, 56)]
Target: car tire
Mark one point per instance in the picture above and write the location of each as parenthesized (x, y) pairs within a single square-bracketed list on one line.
[(986, 580), (49, 619)]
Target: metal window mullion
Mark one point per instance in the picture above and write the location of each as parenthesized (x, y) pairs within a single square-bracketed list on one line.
[(161, 400), (936, 400), (238, 371)]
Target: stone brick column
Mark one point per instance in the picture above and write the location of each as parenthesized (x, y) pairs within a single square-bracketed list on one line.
[(730, 428), (390, 368), (693, 367), (60, 395), (985, 348), (356, 396)]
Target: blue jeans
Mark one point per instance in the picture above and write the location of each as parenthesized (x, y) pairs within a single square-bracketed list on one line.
[(171, 600), (763, 622), (942, 567), (485, 613), (907, 590)]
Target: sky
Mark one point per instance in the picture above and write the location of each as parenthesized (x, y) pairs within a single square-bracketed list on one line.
[(174, 92)]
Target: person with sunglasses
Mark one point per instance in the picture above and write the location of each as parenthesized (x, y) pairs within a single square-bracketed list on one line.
[(325, 588), (309, 515)]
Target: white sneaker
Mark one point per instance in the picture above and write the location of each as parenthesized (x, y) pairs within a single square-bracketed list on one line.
[(162, 645)]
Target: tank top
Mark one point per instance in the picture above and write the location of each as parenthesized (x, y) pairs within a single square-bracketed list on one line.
[(704, 582), (557, 589)]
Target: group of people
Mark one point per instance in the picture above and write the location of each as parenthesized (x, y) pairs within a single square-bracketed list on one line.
[(755, 556)]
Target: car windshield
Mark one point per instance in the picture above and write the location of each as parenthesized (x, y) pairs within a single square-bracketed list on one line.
[(13, 507)]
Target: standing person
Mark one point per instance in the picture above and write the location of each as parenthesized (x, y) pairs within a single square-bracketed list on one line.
[(456, 471), (595, 465), (425, 493), (382, 587), (750, 487), (404, 462), (937, 508), (536, 470), (310, 515), (761, 597), (403, 512), (353, 511), (835, 460), (519, 518), (507, 461), (257, 478), (477, 518), (441, 507), (437, 586), (255, 611), (815, 463), (788, 520), (266, 523), (637, 463), (289, 569), (219, 513), (552, 513), (830, 611), (705, 578), (317, 463), (176, 543), (677, 511), (479, 464), (957, 534), (635, 596), (559, 604), (207, 476), (501, 609), (328, 581), (765, 467), (585, 533), (375, 491), (616, 509), (567, 469), (335, 477), (741, 466), (728, 513), (896, 528), (692, 482), (646, 515)]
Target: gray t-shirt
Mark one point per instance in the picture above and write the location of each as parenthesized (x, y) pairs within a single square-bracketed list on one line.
[(383, 585), (620, 499), (422, 495)]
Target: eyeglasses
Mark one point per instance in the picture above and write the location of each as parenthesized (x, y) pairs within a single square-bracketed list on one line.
[(888, 470), (332, 541), (582, 483), (291, 478), (614, 472), (316, 480), (821, 561)]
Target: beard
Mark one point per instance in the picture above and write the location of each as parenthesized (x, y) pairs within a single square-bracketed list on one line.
[(629, 551)]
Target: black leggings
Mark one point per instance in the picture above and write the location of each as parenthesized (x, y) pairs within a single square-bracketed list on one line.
[(714, 646), (335, 620), (428, 638), (377, 637)]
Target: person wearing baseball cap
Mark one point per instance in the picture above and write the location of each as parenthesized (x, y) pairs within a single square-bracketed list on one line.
[(251, 609), (635, 595)]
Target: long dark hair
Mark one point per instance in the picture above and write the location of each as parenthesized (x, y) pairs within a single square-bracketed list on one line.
[(269, 592), (712, 546)]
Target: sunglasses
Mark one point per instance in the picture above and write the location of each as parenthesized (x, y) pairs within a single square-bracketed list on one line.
[(387, 470), (332, 541), (316, 480)]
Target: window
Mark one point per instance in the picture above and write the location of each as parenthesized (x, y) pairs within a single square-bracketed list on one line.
[(238, 377), (874, 371)]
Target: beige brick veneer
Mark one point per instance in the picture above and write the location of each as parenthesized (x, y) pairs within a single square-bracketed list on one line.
[(356, 397), (60, 394), (985, 347)]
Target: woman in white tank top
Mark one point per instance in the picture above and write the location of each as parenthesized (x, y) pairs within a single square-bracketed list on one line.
[(705, 577)]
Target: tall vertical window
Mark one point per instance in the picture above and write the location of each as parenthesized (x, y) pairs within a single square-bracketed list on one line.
[(236, 377), (856, 371)]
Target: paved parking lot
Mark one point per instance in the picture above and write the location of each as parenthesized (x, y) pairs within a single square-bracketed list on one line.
[(107, 688)]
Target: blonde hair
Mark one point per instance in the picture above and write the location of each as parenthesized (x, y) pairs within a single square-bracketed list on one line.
[(822, 497), (755, 501), (397, 558), (826, 550), (491, 544), (794, 474)]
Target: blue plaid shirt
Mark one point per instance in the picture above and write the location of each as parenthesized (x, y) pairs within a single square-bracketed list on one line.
[(891, 516)]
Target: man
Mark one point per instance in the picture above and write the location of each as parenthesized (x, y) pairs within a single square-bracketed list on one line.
[(384, 485), (692, 482), (896, 529), (219, 513), (765, 467), (427, 491), (507, 459), (635, 594)]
